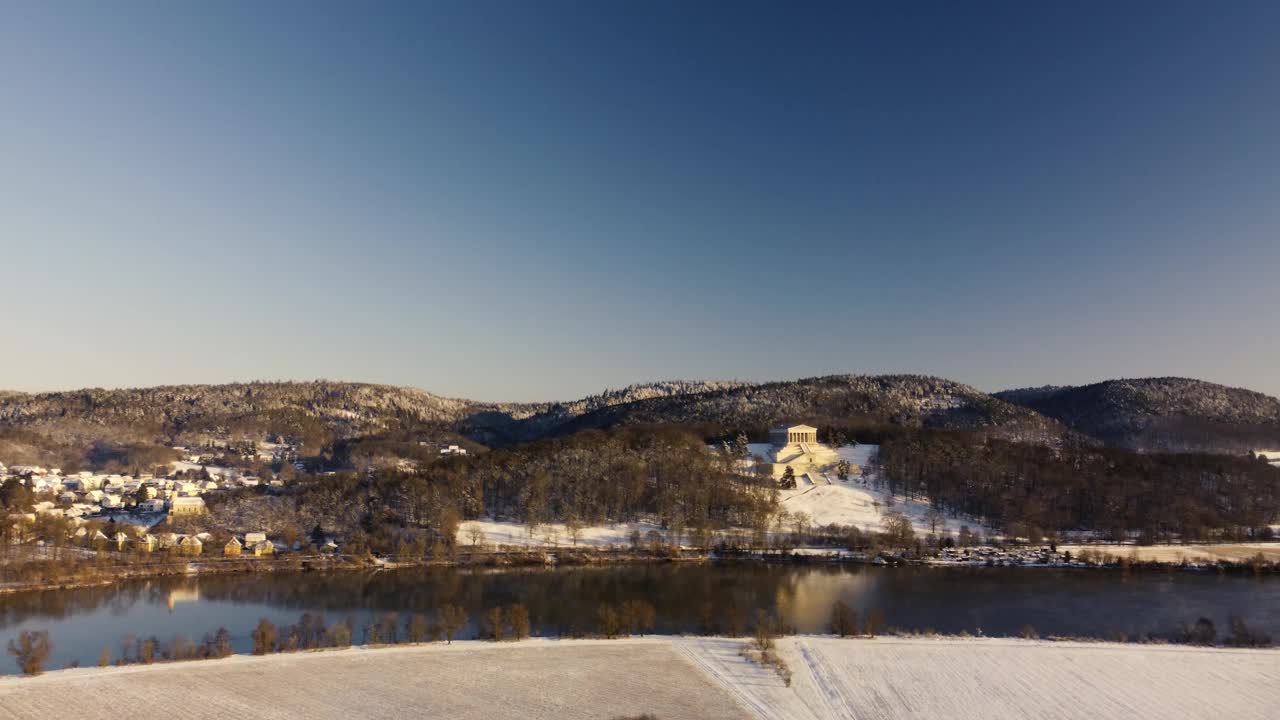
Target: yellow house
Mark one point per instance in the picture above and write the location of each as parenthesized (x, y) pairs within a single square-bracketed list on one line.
[(190, 545), (232, 548), (180, 506), (263, 548)]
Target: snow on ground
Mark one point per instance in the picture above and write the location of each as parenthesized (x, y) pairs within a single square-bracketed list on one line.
[(552, 534), (819, 494), (216, 471), (856, 501), (1235, 552), (992, 679), (888, 677), (531, 680)]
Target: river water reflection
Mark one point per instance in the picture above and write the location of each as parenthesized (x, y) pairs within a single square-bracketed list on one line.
[(995, 601)]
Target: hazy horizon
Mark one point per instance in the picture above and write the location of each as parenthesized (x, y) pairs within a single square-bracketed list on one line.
[(509, 201)]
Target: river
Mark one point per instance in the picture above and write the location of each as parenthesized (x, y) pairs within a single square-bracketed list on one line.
[(992, 601)]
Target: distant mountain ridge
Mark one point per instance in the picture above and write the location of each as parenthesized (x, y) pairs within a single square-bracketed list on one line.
[(908, 400), (1161, 414), (346, 409), (354, 409), (1144, 414)]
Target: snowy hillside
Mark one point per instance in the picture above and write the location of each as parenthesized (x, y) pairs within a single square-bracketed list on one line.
[(859, 501)]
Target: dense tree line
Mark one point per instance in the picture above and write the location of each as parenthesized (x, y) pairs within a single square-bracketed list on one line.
[(1032, 489), (899, 400), (1161, 414), (588, 478)]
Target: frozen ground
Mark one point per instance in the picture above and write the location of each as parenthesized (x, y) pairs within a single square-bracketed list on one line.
[(855, 501), (1241, 552), (552, 534), (954, 679), (995, 679), (215, 471), (531, 680)]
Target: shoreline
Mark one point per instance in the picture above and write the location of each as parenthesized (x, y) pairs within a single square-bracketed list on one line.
[(1127, 558)]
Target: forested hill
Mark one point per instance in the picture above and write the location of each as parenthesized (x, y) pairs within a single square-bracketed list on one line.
[(312, 414), (509, 424), (143, 414), (1161, 414), (837, 400), (1156, 414)]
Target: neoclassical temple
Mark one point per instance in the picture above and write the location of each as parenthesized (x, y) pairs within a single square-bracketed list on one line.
[(792, 435), (793, 445)]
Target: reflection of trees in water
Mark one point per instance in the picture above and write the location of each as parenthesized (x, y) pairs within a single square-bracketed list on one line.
[(560, 600), (56, 604), (565, 599)]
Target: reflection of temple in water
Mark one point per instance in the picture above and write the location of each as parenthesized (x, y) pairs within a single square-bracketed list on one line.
[(183, 595), (807, 600)]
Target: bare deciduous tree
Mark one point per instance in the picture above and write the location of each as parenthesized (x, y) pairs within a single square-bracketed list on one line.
[(416, 628), (494, 623), (607, 620), (517, 617), (844, 621), (452, 620), (31, 650), (638, 616), (264, 637)]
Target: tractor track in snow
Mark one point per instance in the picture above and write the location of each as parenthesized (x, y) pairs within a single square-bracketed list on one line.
[(836, 704)]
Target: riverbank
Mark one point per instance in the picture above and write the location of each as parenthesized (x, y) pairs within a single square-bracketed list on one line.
[(679, 677), (1250, 558), (1237, 553), (88, 574)]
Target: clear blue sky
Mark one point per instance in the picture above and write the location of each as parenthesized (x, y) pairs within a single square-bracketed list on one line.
[(536, 200)]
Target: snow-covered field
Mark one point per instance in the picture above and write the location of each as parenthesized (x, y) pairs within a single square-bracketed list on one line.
[(993, 679), (216, 471), (530, 680), (955, 679), (1236, 552), (552, 534)]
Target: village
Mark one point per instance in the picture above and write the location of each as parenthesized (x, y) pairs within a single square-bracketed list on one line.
[(117, 511), (89, 502)]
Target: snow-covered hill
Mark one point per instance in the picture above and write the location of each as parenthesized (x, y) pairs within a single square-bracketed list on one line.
[(861, 501)]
